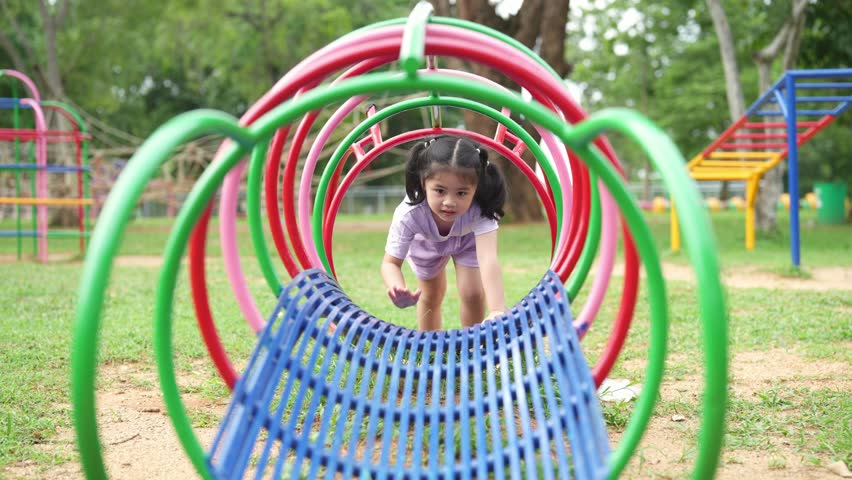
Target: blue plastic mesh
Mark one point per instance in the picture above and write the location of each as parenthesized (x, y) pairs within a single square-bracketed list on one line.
[(510, 398)]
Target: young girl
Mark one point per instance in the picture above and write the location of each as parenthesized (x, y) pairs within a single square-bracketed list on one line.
[(454, 199)]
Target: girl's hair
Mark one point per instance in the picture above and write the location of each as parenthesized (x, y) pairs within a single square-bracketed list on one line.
[(464, 158)]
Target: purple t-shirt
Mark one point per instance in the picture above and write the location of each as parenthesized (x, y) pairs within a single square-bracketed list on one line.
[(416, 221)]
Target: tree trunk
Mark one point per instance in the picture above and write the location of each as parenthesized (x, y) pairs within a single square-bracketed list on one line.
[(789, 37), (733, 87), (13, 53), (540, 25), (53, 15), (772, 184), (52, 22)]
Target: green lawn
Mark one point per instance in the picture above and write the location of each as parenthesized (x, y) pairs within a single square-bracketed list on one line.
[(39, 302), (820, 244)]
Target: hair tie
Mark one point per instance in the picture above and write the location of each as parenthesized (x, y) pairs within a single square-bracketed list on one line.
[(483, 159)]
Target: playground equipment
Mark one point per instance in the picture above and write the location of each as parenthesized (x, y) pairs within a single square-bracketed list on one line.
[(332, 391), (162, 196), (753, 145), (32, 142)]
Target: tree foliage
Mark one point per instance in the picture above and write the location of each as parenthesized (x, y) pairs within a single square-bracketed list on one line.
[(662, 58), (133, 65)]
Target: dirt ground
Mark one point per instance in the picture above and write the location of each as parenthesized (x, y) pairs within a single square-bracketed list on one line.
[(664, 441), (139, 441), (821, 279)]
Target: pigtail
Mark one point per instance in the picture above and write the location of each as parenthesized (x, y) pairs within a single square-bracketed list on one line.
[(413, 171), (491, 190)]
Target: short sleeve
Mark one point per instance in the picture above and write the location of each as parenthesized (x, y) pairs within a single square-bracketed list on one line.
[(400, 235), (483, 225)]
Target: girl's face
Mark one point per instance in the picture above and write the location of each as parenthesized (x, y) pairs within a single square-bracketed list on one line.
[(449, 195)]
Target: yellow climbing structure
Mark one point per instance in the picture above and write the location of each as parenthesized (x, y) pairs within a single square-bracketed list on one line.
[(748, 167), (757, 142)]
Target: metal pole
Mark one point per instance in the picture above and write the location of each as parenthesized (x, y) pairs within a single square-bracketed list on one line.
[(792, 168)]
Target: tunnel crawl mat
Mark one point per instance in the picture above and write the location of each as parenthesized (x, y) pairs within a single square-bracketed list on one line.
[(333, 392)]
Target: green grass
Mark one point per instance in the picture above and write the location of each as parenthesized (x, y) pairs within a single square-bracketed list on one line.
[(39, 303), (816, 422), (820, 243)]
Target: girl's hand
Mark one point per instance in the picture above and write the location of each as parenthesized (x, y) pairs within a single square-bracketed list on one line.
[(403, 297), (494, 314)]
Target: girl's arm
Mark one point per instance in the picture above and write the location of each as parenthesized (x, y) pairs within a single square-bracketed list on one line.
[(491, 273), (399, 294)]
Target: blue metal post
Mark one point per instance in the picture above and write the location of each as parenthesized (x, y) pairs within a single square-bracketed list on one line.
[(793, 167)]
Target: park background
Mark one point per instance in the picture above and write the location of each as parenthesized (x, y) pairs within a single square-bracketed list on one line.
[(130, 66)]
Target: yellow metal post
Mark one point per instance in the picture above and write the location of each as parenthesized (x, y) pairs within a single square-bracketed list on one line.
[(45, 201), (675, 230), (751, 197)]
